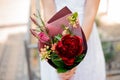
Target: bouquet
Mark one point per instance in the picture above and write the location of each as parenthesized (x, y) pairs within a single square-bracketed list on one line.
[(61, 41)]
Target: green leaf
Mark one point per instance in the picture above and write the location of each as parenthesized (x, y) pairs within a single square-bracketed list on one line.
[(61, 70), (57, 60), (40, 18), (75, 14), (61, 66), (79, 58), (73, 17), (57, 38)]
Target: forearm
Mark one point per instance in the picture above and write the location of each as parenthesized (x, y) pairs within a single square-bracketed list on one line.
[(47, 9), (91, 8)]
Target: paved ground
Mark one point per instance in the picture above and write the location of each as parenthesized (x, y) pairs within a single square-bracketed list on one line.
[(114, 78), (14, 15), (13, 65), (12, 58)]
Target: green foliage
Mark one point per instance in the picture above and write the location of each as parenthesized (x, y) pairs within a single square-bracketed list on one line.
[(61, 70), (57, 60), (57, 38), (80, 58), (61, 66), (108, 51), (73, 18)]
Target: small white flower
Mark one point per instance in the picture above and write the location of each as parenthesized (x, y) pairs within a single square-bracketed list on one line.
[(66, 28), (44, 53), (64, 32)]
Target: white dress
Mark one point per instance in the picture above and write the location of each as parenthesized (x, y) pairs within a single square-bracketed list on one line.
[(93, 66)]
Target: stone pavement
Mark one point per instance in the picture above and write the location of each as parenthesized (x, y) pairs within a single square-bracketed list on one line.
[(114, 78), (14, 16), (12, 58)]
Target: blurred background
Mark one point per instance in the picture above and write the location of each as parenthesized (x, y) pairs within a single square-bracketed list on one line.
[(19, 58)]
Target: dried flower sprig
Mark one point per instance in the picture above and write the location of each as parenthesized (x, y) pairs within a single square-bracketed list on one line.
[(40, 23), (73, 19), (45, 52)]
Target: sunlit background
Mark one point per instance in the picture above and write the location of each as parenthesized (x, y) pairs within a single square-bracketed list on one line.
[(18, 54)]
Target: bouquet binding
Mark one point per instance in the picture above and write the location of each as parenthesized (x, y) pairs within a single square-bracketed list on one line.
[(61, 41)]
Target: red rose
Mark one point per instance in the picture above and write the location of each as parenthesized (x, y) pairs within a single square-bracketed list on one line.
[(68, 48)]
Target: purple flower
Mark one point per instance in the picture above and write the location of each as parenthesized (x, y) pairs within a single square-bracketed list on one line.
[(43, 37)]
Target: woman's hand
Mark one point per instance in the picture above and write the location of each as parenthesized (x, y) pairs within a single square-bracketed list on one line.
[(67, 75)]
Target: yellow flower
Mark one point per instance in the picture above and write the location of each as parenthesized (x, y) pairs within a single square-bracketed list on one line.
[(73, 19), (66, 31), (44, 53)]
